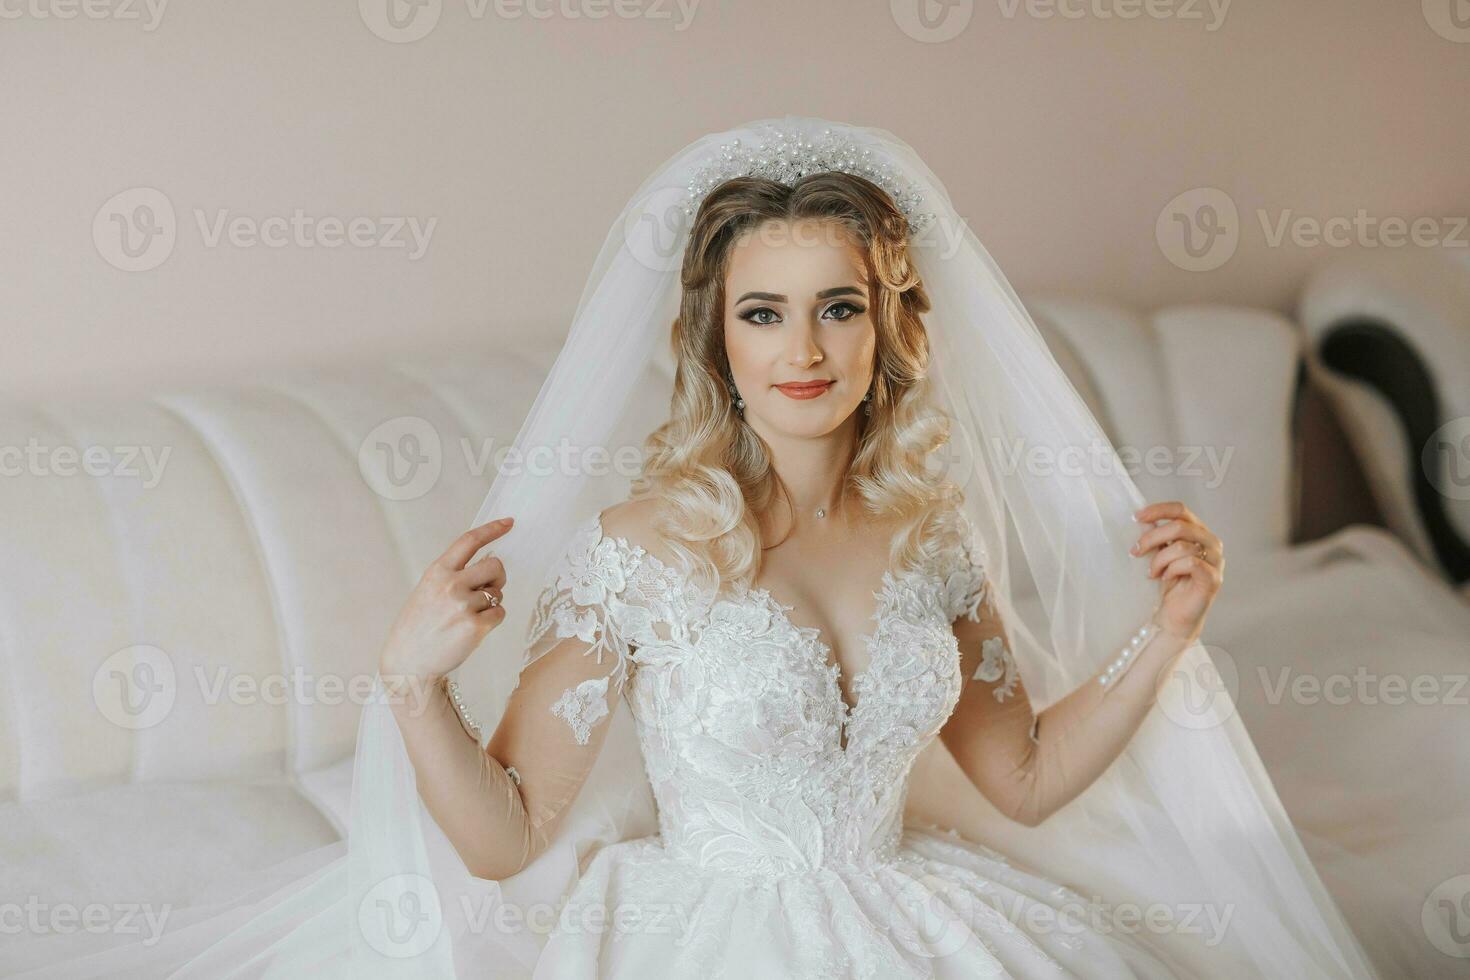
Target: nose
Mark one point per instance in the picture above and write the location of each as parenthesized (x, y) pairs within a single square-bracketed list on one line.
[(803, 350)]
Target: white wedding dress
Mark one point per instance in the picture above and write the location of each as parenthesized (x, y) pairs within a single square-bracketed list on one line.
[(781, 850)]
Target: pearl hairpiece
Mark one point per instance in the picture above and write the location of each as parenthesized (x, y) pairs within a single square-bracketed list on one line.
[(787, 157)]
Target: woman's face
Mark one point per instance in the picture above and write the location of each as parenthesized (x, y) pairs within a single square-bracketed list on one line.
[(797, 310)]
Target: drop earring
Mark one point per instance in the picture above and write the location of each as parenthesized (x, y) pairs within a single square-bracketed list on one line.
[(868, 402), (735, 394)]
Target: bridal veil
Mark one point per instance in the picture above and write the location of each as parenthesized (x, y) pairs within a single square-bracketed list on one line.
[(1185, 817)]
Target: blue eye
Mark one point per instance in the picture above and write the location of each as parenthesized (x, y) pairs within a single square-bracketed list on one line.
[(757, 315), (750, 315)]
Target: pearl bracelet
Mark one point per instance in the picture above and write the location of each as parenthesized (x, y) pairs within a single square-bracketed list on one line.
[(469, 723), (1126, 656)]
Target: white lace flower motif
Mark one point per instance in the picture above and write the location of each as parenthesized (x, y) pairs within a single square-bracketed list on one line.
[(595, 574), (963, 583), (583, 706), (996, 662)]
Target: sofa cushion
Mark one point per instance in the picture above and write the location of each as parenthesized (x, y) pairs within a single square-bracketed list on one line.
[(152, 844)]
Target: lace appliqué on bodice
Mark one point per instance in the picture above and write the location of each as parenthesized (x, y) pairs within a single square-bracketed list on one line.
[(610, 595), (757, 763)]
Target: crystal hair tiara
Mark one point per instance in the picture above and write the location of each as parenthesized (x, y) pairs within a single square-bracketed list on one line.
[(788, 156)]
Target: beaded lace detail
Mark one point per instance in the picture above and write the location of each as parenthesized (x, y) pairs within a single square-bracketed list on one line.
[(758, 765)]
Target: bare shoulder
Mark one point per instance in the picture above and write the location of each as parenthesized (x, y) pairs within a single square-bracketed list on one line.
[(633, 521)]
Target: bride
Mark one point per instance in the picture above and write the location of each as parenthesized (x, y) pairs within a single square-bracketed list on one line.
[(791, 606), (777, 728)]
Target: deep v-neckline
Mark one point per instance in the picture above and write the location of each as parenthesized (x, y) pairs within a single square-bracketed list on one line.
[(846, 712), (811, 634)]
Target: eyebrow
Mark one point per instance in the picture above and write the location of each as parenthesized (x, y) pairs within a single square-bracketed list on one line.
[(824, 294)]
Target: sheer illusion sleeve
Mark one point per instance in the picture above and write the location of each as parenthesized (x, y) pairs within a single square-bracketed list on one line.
[(579, 641), (1030, 765), (966, 596)]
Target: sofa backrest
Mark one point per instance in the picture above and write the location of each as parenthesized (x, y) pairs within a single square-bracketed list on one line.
[(220, 538), (1201, 396), (223, 550)]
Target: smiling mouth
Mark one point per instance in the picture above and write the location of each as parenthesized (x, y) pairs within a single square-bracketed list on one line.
[(804, 389)]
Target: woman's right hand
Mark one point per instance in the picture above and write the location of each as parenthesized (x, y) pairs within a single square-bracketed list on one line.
[(446, 615)]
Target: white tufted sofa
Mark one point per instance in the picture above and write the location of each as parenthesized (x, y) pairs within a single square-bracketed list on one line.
[(262, 551), (260, 554)]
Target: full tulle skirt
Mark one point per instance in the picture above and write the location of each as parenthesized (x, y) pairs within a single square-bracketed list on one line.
[(944, 907)]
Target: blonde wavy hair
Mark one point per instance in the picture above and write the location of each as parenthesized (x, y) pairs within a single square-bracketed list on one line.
[(712, 472)]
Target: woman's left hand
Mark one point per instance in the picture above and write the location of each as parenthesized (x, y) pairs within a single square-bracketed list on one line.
[(1189, 561)]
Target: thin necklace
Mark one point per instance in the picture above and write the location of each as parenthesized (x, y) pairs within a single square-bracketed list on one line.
[(822, 511)]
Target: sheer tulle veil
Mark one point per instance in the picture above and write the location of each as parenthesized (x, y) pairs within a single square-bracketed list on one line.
[(1185, 818)]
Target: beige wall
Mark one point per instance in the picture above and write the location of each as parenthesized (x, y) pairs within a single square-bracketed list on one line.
[(1063, 140)]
